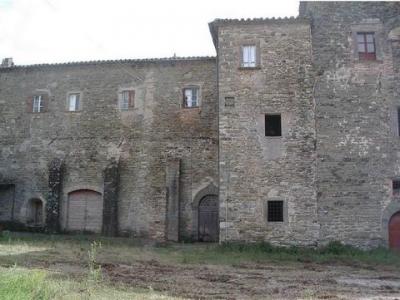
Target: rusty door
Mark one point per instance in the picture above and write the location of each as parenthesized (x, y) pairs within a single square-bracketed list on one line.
[(85, 211), (394, 231), (208, 219)]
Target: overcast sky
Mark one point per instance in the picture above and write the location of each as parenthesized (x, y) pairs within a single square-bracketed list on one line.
[(47, 31)]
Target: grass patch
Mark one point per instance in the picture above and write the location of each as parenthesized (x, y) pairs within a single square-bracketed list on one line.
[(20, 248), (237, 253), (24, 284)]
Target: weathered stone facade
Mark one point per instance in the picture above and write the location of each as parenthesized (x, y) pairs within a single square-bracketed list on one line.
[(330, 168)]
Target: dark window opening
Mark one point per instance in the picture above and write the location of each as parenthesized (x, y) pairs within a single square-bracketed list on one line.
[(366, 45), (273, 125), (275, 211), (396, 187)]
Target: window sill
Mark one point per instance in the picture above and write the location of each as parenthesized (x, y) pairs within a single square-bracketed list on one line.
[(273, 137), (190, 108), (73, 111), (250, 68), (368, 61)]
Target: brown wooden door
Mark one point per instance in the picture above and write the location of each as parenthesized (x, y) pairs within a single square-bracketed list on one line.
[(85, 211), (208, 219), (394, 231)]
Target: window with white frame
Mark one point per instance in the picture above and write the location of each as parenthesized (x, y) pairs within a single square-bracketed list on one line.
[(73, 102), (249, 56), (191, 97), (38, 104)]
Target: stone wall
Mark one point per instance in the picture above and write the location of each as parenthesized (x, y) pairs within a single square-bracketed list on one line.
[(254, 168), (358, 143), (88, 140)]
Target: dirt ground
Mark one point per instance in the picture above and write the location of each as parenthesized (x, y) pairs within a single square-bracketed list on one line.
[(147, 268), (255, 281)]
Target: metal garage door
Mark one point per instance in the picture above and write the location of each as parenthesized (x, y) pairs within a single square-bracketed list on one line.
[(85, 211)]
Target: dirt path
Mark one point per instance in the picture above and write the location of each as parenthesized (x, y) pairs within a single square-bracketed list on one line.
[(256, 281)]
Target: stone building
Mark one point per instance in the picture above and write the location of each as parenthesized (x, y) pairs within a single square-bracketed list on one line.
[(289, 135)]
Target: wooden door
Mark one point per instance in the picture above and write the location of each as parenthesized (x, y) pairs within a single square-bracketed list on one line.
[(208, 219), (85, 211), (394, 231)]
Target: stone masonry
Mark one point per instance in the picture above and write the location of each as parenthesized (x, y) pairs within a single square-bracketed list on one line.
[(148, 167)]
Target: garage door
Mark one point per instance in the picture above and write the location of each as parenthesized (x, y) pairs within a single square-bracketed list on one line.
[(85, 211), (394, 231)]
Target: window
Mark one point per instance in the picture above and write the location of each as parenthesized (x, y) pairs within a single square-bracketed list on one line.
[(275, 211), (191, 97), (396, 187), (38, 104), (229, 101), (366, 46), (249, 56), (73, 102), (273, 125), (126, 99)]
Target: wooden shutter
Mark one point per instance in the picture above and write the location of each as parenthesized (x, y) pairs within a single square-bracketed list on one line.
[(29, 104), (132, 98), (45, 99)]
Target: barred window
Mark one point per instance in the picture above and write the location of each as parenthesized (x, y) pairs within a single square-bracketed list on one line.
[(275, 211)]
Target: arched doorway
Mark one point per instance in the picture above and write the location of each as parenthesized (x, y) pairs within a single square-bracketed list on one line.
[(85, 211), (394, 231), (35, 212), (208, 219)]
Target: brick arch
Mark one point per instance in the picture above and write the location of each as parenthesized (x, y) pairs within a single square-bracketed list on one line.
[(210, 190), (390, 210)]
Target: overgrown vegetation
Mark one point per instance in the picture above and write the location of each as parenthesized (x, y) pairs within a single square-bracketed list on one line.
[(334, 252)]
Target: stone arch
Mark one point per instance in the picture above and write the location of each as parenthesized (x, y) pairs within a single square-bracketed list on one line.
[(210, 190), (35, 212), (387, 214)]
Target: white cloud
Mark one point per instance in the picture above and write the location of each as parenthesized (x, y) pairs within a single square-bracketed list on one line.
[(36, 31)]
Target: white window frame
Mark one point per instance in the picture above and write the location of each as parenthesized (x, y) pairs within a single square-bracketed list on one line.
[(188, 100), (76, 104), (249, 56), (37, 104)]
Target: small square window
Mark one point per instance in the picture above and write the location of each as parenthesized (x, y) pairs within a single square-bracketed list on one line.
[(73, 102), (273, 126), (249, 54), (275, 211), (191, 97), (396, 187), (366, 45), (38, 104)]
